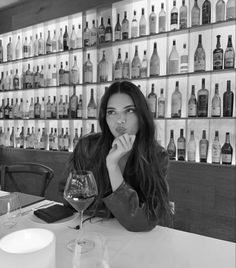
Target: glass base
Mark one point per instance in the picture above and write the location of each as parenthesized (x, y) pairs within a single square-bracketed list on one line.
[(85, 244)]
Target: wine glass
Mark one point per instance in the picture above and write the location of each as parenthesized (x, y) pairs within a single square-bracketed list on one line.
[(80, 191)]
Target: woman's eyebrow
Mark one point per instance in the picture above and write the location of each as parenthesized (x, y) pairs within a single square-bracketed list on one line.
[(126, 107)]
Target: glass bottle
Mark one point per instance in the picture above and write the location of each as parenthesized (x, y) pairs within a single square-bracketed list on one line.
[(218, 56), (42, 77), (48, 109), (12, 139), (37, 109), (161, 105), (43, 140), (227, 151), (199, 56), (136, 65), (154, 62), (142, 24), (11, 110), (49, 44), (16, 81), (21, 109), (60, 41), (36, 46), (76, 138), (66, 108), (41, 45), (118, 67), (152, 21), (206, 12), (152, 102), (108, 31), (174, 17), (181, 146), (216, 103), (230, 9), (203, 147), (216, 149), (65, 40), (191, 148), (54, 75), (86, 35), (192, 104), (176, 102), (73, 38), (174, 60), (50, 139), (202, 101), (184, 60), (66, 74), (183, 16), (162, 19), (73, 103), (92, 107), (134, 26), (126, 67), (228, 101), (43, 109), (125, 27), (220, 10), (101, 32), (31, 109), (49, 76), (61, 75), (30, 47), (54, 42), (88, 71), (18, 48), (74, 72), (55, 140), (37, 78), (9, 50), (79, 40), (28, 78), (1, 51), (195, 14), (144, 65), (103, 69), (66, 140), (79, 111), (54, 108), (118, 34), (171, 148), (61, 140), (229, 56)]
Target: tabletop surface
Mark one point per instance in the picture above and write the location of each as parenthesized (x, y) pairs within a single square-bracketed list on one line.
[(162, 247)]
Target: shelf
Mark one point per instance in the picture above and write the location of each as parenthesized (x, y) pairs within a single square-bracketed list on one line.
[(196, 118)]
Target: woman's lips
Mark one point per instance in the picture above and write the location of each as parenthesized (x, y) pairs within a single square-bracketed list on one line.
[(121, 130)]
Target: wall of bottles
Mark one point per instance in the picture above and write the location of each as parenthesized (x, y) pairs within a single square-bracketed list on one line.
[(159, 45)]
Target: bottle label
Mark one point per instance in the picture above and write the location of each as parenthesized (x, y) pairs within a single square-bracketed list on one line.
[(184, 63), (216, 151), (162, 24), (118, 73), (152, 25), (142, 29), (73, 105), (199, 61), (79, 113), (74, 76), (134, 32), (88, 76), (203, 150), (152, 104), (174, 18), (226, 158), (125, 71), (28, 79), (181, 153), (86, 39), (161, 109), (91, 112), (143, 72), (108, 37), (135, 72), (66, 143), (191, 156), (154, 68), (218, 60), (192, 110), (93, 40), (183, 22), (72, 44), (202, 103), (229, 59), (117, 35), (101, 36), (173, 66), (215, 111)]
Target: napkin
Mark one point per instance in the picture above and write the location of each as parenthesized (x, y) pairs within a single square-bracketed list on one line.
[(54, 213)]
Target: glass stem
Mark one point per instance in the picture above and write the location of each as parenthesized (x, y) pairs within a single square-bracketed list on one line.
[(81, 223)]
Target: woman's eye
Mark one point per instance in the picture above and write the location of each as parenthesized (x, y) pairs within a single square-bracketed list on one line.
[(131, 110), (110, 112)]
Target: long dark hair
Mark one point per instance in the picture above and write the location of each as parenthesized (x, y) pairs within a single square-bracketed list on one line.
[(143, 169)]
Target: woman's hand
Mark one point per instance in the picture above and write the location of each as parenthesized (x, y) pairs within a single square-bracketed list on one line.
[(120, 146)]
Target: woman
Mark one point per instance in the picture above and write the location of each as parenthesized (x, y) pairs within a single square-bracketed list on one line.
[(128, 164)]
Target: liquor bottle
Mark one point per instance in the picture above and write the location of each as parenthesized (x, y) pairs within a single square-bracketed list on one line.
[(18, 48), (92, 107), (1, 51), (73, 103), (108, 31), (218, 56), (22, 138), (206, 12), (16, 81), (220, 10), (184, 60), (73, 38), (2, 110), (216, 149), (54, 42), (37, 109), (61, 75), (154, 62), (55, 140), (174, 17), (9, 50), (202, 101), (93, 34), (162, 19), (181, 146), (79, 40), (7, 82), (66, 140), (31, 109), (203, 147), (50, 139), (30, 47), (125, 27), (118, 67), (49, 44), (41, 45), (11, 110), (228, 101), (54, 108), (28, 78), (103, 68), (43, 140), (21, 109), (176, 102), (54, 75), (48, 109), (60, 41), (66, 108), (66, 74), (118, 34), (61, 140), (171, 148), (230, 10), (191, 148), (36, 46), (15, 109), (152, 21), (42, 77), (216, 103), (227, 151), (161, 105), (195, 14), (74, 72), (134, 26), (88, 71), (49, 76), (12, 139), (144, 66), (142, 24), (37, 78), (152, 102), (199, 56), (229, 56), (17, 138), (76, 138), (101, 32), (86, 35), (192, 104), (60, 108), (79, 109), (43, 109), (126, 67), (183, 16), (136, 65), (174, 60), (65, 40)]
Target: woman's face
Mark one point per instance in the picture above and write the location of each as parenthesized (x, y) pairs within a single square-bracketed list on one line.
[(121, 115)]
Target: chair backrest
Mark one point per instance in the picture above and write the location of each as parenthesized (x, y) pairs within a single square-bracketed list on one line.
[(27, 177)]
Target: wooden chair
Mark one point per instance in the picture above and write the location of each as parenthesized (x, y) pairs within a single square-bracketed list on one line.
[(26, 177)]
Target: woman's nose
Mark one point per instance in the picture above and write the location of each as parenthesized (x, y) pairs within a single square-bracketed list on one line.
[(121, 118)]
